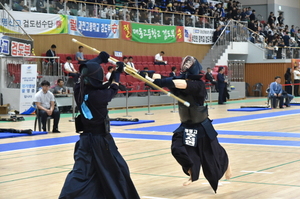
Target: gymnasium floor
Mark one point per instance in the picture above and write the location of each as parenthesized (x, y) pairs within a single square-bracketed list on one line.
[(263, 147)]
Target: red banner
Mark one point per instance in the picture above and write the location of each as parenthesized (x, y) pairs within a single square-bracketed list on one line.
[(126, 30), (179, 34)]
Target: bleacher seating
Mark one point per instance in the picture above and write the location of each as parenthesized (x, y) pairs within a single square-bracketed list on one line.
[(14, 70), (14, 74), (139, 61)]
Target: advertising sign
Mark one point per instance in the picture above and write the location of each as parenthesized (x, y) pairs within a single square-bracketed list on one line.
[(34, 23), (151, 33), (92, 27), (11, 46), (27, 86), (198, 35)]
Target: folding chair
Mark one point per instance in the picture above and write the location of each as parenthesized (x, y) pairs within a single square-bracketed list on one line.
[(38, 119)]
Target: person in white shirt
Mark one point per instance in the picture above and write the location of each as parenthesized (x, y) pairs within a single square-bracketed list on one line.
[(108, 74), (130, 62), (296, 80), (111, 12), (158, 59), (45, 102), (70, 70), (82, 12)]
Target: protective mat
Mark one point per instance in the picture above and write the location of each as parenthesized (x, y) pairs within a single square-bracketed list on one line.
[(72, 139), (295, 104), (125, 123), (11, 135), (172, 127), (248, 109)]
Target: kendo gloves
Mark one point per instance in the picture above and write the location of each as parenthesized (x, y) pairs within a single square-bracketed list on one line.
[(118, 71), (120, 67), (101, 58), (144, 73), (166, 82)]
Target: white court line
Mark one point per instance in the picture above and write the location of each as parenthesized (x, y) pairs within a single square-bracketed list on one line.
[(257, 172), (152, 197)]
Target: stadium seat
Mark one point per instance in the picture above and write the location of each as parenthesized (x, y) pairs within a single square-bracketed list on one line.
[(159, 68), (137, 59), (131, 79), (151, 67), (150, 59)]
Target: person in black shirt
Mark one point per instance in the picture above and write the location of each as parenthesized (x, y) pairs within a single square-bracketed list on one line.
[(40, 6), (53, 63), (221, 86), (217, 33), (51, 53), (210, 78), (173, 73), (252, 16), (288, 80), (271, 18), (280, 19)]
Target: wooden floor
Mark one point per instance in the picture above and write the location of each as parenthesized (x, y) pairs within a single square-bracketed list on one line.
[(259, 170)]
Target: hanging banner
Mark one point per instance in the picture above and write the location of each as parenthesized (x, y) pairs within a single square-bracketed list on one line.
[(27, 86), (11, 46), (198, 35), (91, 27), (126, 30), (34, 23), (151, 33)]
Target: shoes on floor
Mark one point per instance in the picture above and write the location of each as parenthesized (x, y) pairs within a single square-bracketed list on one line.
[(55, 131)]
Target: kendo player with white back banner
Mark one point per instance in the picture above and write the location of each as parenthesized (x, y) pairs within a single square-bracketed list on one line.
[(194, 142)]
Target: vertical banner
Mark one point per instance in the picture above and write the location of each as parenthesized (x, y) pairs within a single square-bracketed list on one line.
[(126, 30), (27, 86), (179, 34)]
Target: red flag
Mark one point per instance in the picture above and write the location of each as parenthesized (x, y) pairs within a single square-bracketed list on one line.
[(126, 30), (179, 34)]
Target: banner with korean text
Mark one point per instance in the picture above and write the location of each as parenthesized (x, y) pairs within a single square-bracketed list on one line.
[(35, 23), (11, 46), (198, 35), (91, 27), (151, 33), (27, 86)]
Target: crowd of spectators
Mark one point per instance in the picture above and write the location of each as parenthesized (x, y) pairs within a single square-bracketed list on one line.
[(273, 34), (277, 37), (197, 13)]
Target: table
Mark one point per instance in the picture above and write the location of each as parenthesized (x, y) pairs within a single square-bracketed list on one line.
[(64, 100)]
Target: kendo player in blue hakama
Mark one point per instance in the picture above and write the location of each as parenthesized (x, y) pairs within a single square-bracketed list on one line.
[(99, 171), (194, 142)]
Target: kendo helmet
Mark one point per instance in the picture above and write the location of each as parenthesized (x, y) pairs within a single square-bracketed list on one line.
[(92, 74), (190, 66)]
